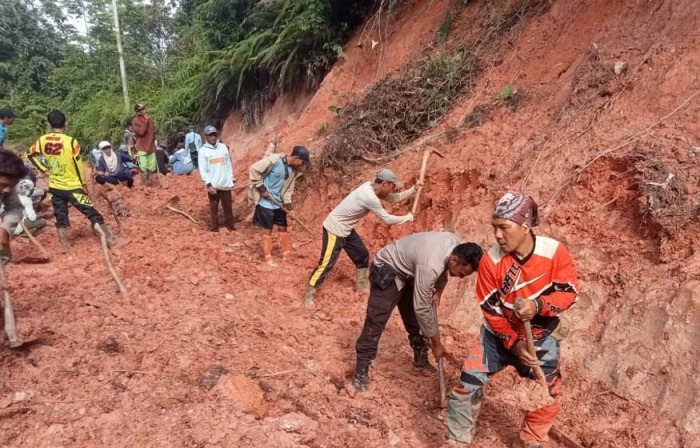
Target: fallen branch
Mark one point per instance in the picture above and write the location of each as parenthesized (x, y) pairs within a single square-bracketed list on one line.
[(182, 213), (270, 375), (110, 266)]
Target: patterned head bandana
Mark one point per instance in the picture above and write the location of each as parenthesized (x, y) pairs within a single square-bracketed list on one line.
[(517, 207)]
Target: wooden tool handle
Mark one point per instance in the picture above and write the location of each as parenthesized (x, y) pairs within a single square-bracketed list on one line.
[(443, 386), (10, 324), (423, 167)]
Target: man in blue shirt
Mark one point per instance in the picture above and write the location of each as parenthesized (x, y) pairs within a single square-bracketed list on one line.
[(7, 117), (274, 177), (193, 141)]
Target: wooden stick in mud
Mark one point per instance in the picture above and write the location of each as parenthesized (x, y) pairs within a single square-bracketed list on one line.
[(421, 177), (44, 254), (110, 205), (10, 324), (110, 266), (170, 207)]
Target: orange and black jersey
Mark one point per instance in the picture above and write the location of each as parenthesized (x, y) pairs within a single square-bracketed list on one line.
[(59, 155), (547, 276)]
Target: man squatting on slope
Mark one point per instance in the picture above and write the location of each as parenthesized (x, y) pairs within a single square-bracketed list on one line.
[(12, 170), (540, 271), (339, 228), (411, 273)]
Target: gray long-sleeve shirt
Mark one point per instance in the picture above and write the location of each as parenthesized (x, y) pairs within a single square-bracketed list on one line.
[(421, 257), (357, 204), (13, 211)]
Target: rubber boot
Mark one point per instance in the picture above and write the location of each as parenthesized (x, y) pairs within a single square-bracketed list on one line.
[(310, 296), (63, 239), (267, 249), (362, 279), (286, 246), (361, 378), (109, 237), (421, 361), (462, 413)]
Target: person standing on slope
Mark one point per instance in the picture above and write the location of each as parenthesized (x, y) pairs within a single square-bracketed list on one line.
[(339, 229), (145, 144), (272, 181), (12, 170), (216, 170), (58, 155), (539, 271)]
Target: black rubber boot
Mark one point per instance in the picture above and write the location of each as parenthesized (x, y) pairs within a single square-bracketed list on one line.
[(361, 378), (420, 359)]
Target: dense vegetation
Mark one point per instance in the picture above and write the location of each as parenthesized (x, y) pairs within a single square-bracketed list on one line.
[(191, 62)]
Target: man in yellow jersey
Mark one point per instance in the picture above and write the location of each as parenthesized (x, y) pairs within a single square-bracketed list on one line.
[(58, 155)]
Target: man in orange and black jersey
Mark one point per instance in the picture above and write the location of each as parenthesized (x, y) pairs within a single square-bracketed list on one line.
[(525, 277), (58, 155)]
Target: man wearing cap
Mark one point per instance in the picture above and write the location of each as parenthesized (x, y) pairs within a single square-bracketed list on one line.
[(7, 117), (339, 229), (112, 166), (272, 181), (145, 145), (538, 274), (411, 274), (216, 170), (12, 170)]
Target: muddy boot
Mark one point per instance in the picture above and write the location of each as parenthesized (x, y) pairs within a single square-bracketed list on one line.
[(267, 250), (462, 413), (310, 296), (63, 239), (362, 279), (109, 237), (361, 378), (420, 359), (146, 177), (286, 246)]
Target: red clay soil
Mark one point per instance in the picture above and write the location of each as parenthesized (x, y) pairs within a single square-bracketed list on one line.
[(213, 349)]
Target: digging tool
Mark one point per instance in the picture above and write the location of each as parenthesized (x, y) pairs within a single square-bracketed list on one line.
[(10, 324), (110, 266), (539, 374), (45, 257), (423, 166), (298, 221), (112, 209), (441, 371), (174, 201)]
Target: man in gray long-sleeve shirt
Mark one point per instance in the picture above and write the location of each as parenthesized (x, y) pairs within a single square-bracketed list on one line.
[(411, 273), (339, 229), (12, 170)]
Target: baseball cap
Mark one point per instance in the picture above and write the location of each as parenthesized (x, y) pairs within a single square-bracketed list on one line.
[(302, 152), (387, 175), (6, 112), (139, 106), (104, 144), (210, 130)]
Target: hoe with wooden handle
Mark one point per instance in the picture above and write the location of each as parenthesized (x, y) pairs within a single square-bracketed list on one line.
[(423, 167)]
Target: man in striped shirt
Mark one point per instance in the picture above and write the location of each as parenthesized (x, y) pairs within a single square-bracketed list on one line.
[(339, 229), (522, 278)]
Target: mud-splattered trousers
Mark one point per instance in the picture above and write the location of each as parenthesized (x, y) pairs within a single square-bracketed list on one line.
[(486, 357), (384, 296)]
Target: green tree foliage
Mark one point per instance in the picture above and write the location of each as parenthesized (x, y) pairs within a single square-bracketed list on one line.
[(190, 61)]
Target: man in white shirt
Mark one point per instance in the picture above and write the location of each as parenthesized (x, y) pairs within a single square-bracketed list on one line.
[(216, 169), (339, 229)]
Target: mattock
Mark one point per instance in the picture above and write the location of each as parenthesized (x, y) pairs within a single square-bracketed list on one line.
[(423, 167)]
